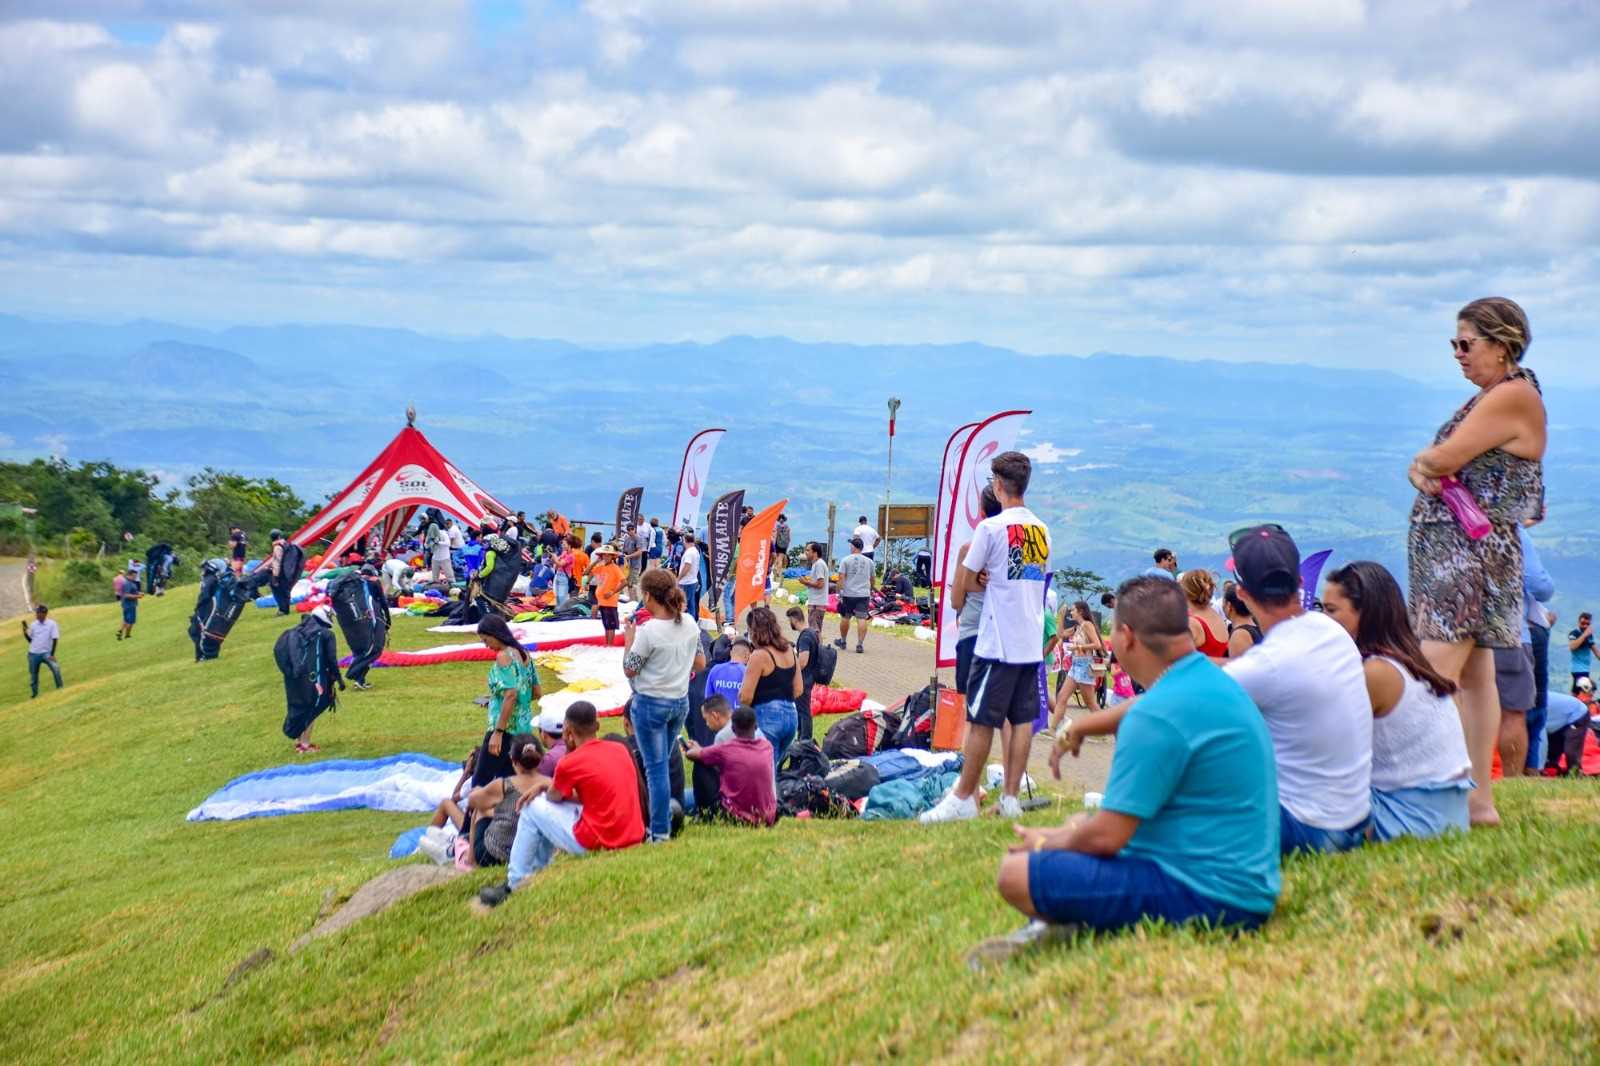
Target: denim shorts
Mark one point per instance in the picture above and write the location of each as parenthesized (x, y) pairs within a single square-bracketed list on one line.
[(1295, 835), (1071, 888)]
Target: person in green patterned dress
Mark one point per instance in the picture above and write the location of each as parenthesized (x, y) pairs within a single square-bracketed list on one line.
[(513, 690)]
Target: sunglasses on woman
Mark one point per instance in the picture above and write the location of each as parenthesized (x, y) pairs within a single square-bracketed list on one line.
[(1464, 344)]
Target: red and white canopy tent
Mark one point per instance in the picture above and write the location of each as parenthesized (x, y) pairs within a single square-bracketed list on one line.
[(408, 474)]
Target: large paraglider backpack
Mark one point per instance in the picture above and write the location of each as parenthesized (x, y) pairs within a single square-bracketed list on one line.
[(827, 663), (296, 652), (293, 563), (859, 734), (916, 721)]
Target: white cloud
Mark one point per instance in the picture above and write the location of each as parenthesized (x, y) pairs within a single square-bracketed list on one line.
[(1045, 453), (1191, 178)]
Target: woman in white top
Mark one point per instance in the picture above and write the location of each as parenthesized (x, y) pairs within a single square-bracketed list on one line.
[(659, 657), (1421, 775)]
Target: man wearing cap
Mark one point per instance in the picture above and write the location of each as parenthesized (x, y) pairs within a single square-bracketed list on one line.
[(552, 726), (1307, 679), (43, 636), (129, 595)]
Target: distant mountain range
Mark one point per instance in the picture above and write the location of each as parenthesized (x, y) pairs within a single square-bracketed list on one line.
[(1132, 452)]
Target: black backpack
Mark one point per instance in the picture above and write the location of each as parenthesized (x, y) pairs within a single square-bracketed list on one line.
[(296, 655), (916, 721), (293, 563), (862, 733), (852, 780), (804, 757), (827, 662)]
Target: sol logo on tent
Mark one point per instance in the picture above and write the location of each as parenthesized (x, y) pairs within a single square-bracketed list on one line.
[(412, 480)]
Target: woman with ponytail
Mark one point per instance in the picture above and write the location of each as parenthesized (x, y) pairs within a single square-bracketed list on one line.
[(513, 688), (659, 657)]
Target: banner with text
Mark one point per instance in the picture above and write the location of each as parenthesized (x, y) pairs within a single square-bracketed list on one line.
[(628, 508), (991, 437), (722, 533), (947, 484), (694, 475), (755, 558)]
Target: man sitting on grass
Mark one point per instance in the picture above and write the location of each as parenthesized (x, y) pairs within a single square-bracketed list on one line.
[(747, 787), (1306, 677), (592, 804), (1188, 830)]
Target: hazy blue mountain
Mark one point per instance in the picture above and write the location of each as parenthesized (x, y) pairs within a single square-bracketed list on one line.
[(1132, 452)]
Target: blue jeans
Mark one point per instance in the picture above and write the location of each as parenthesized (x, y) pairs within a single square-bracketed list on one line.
[(778, 721), (1294, 835), (542, 828), (691, 598), (656, 724), (563, 585), (1071, 888), (1539, 637), (35, 659)]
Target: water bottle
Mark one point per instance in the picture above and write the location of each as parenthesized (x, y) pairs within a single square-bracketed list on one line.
[(1468, 514)]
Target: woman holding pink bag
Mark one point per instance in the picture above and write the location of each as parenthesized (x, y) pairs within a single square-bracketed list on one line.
[(1466, 584)]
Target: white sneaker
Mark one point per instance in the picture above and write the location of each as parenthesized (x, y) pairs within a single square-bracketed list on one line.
[(950, 809), (1009, 807), (434, 849)]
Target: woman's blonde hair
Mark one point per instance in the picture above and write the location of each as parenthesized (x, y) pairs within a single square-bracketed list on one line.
[(1197, 586), (1502, 321)]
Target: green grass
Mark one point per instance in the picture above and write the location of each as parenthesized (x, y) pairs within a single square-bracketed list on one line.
[(822, 941)]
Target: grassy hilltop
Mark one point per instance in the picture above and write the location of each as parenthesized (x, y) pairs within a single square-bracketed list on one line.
[(822, 941)]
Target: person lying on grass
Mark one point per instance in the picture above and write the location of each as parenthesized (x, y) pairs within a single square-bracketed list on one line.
[(1188, 830), (591, 804), (747, 787)]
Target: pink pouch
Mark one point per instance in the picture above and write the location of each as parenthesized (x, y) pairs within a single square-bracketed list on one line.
[(1474, 523), (463, 854)]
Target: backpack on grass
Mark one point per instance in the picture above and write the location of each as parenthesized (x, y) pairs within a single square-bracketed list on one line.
[(827, 663)]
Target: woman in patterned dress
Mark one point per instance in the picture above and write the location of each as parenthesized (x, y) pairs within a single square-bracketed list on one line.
[(1466, 595)]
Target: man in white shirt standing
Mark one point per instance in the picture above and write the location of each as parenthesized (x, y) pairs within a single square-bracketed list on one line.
[(1307, 679), (1008, 558), (43, 636), (869, 538)]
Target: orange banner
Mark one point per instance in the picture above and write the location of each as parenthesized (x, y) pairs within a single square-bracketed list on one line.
[(755, 558)]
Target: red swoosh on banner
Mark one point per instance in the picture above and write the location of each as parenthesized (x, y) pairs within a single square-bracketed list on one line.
[(694, 472), (974, 511)]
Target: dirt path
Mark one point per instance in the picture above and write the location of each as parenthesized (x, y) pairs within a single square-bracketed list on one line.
[(13, 600), (893, 667)]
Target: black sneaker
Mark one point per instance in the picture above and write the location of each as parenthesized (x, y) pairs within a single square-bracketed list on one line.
[(840, 643), (494, 895), (860, 649)]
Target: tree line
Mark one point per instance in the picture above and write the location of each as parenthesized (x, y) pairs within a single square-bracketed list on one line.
[(91, 509)]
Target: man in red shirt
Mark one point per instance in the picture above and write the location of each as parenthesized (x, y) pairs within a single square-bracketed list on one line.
[(591, 804)]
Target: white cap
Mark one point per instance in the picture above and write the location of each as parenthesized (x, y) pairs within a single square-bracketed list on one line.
[(551, 720), (322, 614), (1586, 684)]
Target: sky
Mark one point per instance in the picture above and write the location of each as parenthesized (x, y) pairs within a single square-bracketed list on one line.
[(1320, 181)]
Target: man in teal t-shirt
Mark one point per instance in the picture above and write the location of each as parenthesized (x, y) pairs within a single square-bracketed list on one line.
[(1188, 829)]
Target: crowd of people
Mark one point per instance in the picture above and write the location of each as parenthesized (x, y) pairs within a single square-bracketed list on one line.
[(1252, 723), (1317, 730)]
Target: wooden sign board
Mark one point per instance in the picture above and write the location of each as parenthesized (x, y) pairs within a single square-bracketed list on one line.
[(905, 521)]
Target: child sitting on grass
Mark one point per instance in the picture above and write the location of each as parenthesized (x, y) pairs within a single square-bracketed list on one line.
[(747, 787)]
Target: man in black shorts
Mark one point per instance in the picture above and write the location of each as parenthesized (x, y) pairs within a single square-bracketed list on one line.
[(1008, 558), (855, 591)]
